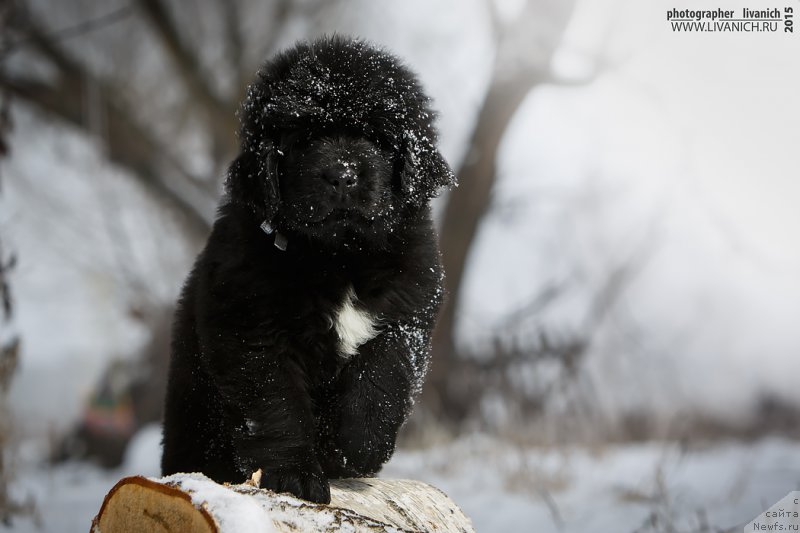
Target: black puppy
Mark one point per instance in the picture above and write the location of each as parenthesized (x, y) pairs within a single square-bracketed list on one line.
[(303, 331)]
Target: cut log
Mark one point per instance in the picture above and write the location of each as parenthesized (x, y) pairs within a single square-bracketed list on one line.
[(193, 502)]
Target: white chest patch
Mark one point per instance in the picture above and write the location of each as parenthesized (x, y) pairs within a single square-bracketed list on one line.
[(354, 326)]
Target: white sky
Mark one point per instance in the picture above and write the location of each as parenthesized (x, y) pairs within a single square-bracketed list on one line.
[(732, 97)]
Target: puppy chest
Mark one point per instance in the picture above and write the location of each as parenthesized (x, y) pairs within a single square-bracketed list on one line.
[(353, 324)]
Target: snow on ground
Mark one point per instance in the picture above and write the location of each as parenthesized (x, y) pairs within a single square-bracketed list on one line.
[(614, 489), (507, 488)]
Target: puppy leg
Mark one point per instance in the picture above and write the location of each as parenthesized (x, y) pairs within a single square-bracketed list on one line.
[(277, 430), (374, 399)]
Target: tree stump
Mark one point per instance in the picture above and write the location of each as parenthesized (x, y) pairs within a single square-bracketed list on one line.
[(192, 502)]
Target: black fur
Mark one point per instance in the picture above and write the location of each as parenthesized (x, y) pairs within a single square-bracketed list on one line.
[(338, 156)]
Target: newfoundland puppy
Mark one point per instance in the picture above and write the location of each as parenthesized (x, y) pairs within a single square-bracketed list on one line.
[(303, 331)]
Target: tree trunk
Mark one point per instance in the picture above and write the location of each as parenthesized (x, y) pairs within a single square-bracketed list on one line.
[(192, 502), (450, 393)]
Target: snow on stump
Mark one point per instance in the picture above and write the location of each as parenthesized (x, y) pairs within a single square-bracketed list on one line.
[(193, 502)]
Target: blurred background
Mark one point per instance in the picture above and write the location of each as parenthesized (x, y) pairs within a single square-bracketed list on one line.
[(621, 339)]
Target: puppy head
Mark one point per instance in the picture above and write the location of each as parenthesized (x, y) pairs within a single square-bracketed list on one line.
[(336, 186), (340, 126)]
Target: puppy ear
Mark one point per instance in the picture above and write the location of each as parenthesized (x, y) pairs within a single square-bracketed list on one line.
[(252, 181), (423, 172)]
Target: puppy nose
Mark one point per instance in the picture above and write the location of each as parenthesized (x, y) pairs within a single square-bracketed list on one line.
[(342, 178)]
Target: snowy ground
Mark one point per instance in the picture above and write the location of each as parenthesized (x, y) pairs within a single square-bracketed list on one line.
[(503, 488)]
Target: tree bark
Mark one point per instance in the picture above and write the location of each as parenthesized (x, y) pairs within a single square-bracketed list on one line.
[(192, 502)]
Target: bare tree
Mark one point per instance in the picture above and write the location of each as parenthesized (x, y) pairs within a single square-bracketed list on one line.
[(134, 145), (128, 143), (525, 49)]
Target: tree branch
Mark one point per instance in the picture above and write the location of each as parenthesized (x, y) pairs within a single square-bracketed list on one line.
[(128, 145), (84, 27), (281, 11), (219, 113), (233, 41)]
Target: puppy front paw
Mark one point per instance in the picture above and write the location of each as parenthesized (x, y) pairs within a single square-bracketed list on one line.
[(361, 454), (304, 482)]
